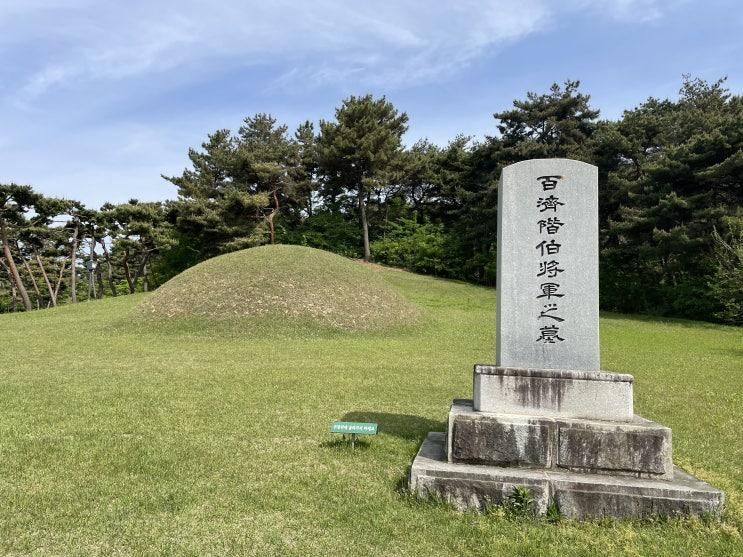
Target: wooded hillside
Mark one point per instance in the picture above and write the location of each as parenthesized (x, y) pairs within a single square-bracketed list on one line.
[(670, 183)]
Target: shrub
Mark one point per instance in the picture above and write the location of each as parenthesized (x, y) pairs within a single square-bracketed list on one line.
[(419, 247)]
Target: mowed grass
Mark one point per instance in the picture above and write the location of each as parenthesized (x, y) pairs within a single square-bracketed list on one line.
[(118, 438)]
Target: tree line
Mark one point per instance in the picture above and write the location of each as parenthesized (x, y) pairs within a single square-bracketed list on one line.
[(56, 250), (670, 202)]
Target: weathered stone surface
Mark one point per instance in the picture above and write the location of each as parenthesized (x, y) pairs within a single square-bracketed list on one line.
[(489, 439), (639, 447), (578, 495), (543, 392), (683, 497), (548, 235), (470, 486)]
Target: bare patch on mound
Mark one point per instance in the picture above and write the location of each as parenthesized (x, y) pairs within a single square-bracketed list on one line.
[(291, 282)]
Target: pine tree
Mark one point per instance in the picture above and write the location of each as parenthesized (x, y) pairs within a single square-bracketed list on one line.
[(15, 202), (357, 152), (677, 180), (556, 124)]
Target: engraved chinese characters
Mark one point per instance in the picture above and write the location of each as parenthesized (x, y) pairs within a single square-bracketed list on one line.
[(549, 269), (548, 265)]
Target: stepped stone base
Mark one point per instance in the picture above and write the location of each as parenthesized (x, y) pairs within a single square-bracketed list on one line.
[(593, 395), (578, 495), (637, 447)]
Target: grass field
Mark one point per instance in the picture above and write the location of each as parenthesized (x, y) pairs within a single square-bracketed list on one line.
[(120, 438)]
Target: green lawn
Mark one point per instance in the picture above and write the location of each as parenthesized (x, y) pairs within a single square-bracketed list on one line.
[(117, 438)]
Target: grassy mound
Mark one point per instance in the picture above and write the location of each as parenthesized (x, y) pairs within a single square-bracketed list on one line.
[(295, 283)]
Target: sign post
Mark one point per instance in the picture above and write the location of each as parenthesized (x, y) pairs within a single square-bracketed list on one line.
[(353, 429)]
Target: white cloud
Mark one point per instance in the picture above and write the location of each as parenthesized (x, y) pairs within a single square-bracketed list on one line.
[(391, 42), (639, 11), (383, 42)]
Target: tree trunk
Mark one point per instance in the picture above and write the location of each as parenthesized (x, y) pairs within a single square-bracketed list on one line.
[(13, 269), (52, 297), (59, 281), (145, 285), (127, 272), (274, 212), (110, 268), (91, 272), (33, 280), (364, 224), (73, 258), (141, 269), (99, 276), (309, 205), (10, 283)]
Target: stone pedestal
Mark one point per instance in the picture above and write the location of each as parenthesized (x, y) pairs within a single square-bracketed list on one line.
[(638, 448), (591, 467), (578, 495)]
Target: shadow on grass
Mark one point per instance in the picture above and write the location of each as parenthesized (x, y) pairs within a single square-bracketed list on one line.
[(735, 352), (404, 426), (343, 443)]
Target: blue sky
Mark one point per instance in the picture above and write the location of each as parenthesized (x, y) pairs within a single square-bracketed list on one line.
[(97, 99)]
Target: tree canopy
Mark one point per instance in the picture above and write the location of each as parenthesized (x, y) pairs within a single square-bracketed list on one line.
[(670, 201)]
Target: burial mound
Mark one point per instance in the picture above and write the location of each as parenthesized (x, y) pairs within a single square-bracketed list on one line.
[(281, 282)]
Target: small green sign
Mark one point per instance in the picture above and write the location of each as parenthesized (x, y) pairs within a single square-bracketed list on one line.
[(359, 428)]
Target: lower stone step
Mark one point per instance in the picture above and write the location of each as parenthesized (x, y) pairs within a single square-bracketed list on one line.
[(637, 447), (578, 495)]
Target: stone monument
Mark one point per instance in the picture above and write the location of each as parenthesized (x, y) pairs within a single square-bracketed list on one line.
[(545, 417)]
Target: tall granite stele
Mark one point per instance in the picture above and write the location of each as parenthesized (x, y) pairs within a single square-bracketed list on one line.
[(544, 417)]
